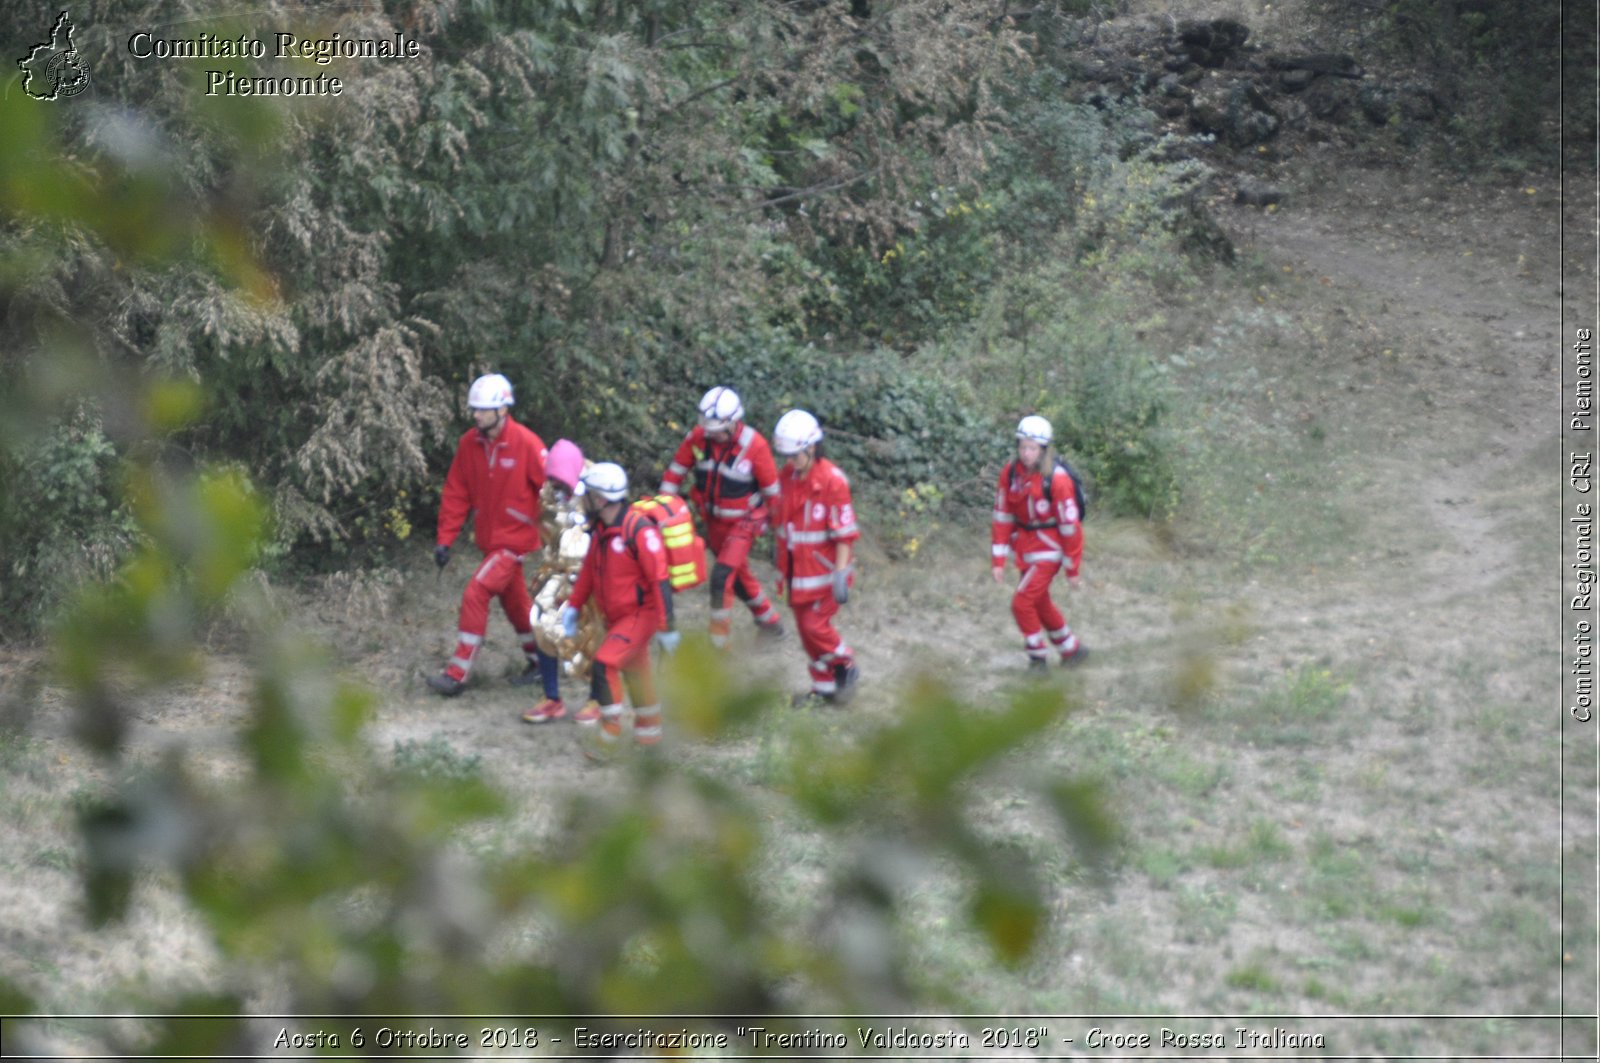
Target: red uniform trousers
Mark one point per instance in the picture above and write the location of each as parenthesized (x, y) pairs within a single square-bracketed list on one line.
[(500, 576), (624, 659), (824, 646), (730, 542), (1037, 616)]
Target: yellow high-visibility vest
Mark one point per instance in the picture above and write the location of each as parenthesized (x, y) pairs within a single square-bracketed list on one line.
[(686, 550)]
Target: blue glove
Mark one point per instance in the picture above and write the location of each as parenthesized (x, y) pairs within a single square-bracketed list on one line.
[(569, 621), (441, 555), (841, 585), (668, 641)]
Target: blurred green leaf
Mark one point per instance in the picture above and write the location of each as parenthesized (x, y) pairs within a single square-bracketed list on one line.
[(14, 1002), (108, 876), (1010, 917), (170, 405), (1080, 805)]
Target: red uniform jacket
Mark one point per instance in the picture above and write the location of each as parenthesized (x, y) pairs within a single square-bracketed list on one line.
[(1036, 529), (732, 480), (625, 570), (814, 515), (500, 480)]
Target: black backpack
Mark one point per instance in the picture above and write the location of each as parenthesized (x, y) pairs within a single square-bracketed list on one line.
[(1080, 495)]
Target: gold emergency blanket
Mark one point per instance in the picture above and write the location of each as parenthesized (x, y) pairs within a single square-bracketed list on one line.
[(566, 541)]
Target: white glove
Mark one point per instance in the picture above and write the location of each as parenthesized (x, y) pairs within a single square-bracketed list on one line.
[(841, 586), (668, 641), (569, 621)]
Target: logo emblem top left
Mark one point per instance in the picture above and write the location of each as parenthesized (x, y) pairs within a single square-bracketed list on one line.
[(55, 69)]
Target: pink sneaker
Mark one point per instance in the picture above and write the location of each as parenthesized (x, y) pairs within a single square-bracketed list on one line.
[(589, 714), (546, 711)]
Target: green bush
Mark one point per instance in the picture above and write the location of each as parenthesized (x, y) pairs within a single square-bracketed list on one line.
[(930, 278), (1049, 342), (60, 517), (1101, 173), (888, 423), (435, 760), (1113, 417), (1101, 220)]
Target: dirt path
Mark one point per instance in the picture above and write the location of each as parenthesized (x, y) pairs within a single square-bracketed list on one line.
[(1470, 283)]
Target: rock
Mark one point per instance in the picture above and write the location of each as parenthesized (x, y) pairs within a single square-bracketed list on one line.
[(1293, 112), (1220, 34), (1252, 127), (1212, 43), (1295, 80), (1417, 103), (1172, 86), (1257, 194), (1209, 113), (1104, 71), (1237, 114), (1329, 99), (1330, 63), (1383, 104), (1096, 70), (1247, 95), (1377, 103)]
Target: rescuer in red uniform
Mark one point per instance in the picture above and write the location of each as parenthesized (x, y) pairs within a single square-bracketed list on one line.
[(815, 533), (496, 476), (625, 571), (734, 481), (1037, 521)]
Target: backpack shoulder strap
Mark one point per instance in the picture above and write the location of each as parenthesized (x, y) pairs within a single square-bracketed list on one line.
[(633, 522), (662, 508), (1079, 494)]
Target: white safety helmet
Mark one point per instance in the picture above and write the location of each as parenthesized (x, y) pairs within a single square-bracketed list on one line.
[(490, 392), (796, 431), (607, 480), (1035, 428), (720, 408)]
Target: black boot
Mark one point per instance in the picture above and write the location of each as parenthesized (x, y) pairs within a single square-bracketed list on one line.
[(845, 678), (530, 675), (447, 686)]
